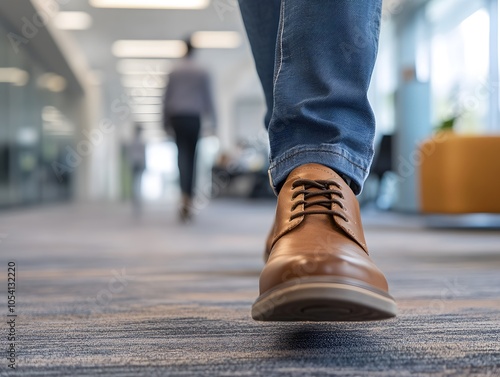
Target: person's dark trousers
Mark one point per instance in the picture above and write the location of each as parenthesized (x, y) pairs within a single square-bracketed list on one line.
[(187, 132)]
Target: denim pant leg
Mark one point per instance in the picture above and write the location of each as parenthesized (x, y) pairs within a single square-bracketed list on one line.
[(261, 19), (324, 57)]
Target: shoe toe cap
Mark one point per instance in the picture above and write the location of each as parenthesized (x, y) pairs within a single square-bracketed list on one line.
[(349, 264)]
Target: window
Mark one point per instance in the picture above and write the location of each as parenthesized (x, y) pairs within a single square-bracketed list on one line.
[(459, 73)]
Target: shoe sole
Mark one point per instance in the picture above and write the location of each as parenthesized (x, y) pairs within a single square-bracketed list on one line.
[(307, 299)]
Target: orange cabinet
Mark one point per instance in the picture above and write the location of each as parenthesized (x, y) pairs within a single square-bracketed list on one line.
[(460, 174)]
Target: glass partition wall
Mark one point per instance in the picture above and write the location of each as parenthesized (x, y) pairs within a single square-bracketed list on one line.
[(35, 128)]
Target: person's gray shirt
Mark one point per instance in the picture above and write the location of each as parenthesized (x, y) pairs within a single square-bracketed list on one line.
[(188, 92)]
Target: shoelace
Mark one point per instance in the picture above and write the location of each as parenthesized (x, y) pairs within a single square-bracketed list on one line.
[(327, 195)]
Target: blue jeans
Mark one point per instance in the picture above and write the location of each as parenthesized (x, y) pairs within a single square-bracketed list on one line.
[(315, 60)]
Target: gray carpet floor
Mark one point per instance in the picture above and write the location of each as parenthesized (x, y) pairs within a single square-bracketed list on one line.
[(101, 293)]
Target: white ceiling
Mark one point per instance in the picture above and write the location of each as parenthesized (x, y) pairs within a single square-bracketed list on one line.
[(109, 25)]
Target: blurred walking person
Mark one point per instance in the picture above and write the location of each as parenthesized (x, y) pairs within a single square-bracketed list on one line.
[(187, 102), (137, 159)]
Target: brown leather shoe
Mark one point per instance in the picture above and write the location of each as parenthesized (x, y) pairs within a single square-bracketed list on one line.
[(318, 267)]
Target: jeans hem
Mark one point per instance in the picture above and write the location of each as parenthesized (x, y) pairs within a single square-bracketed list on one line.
[(332, 156)]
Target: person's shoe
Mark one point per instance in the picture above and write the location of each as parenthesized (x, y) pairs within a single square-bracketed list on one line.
[(318, 267), (185, 212)]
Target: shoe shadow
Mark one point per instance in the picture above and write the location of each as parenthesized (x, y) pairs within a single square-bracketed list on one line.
[(313, 336)]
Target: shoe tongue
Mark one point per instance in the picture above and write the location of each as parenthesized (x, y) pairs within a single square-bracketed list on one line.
[(314, 172)]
